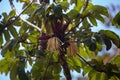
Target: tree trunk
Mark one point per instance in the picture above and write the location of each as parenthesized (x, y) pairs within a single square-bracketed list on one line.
[(65, 66)]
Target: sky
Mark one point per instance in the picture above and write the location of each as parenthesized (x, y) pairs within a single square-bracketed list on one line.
[(5, 7)]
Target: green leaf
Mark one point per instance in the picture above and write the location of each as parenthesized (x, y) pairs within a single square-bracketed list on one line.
[(114, 78), (1, 39), (13, 32), (107, 43), (111, 35), (6, 35), (57, 9), (86, 70), (103, 76), (39, 53), (8, 46), (40, 10), (79, 5), (30, 60), (99, 17), (82, 52), (85, 23), (26, 1), (99, 9), (55, 56), (13, 71), (77, 61), (4, 66), (21, 72), (58, 1), (23, 28), (116, 20), (92, 75), (74, 61), (73, 14), (31, 9), (5, 16), (92, 46), (38, 68), (117, 60), (12, 14), (92, 20), (65, 5)]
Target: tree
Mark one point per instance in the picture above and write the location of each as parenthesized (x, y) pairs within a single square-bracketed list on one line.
[(57, 35)]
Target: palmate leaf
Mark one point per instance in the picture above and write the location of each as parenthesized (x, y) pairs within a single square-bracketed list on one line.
[(96, 12), (99, 9)]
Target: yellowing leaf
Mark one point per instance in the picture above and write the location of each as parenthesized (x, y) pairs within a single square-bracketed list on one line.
[(26, 1)]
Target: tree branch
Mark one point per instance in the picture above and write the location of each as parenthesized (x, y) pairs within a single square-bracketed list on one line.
[(87, 2), (65, 65), (19, 15), (48, 63), (85, 61)]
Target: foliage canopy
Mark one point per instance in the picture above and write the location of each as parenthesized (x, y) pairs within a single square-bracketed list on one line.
[(57, 36)]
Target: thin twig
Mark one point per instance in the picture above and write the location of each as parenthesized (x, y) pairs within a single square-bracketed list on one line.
[(87, 1), (19, 15), (73, 27), (86, 4), (65, 65), (85, 61), (16, 17)]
